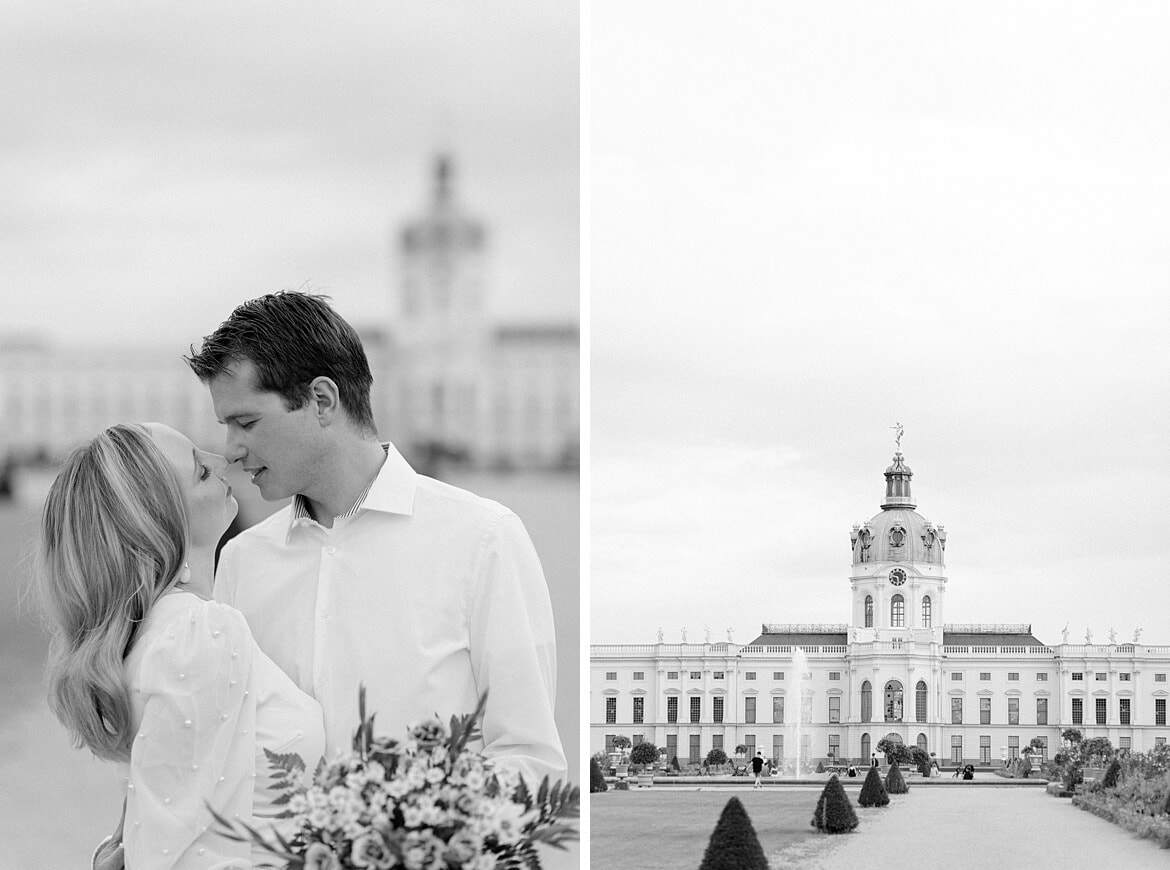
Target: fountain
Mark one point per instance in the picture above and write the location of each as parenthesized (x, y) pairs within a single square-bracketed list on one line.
[(797, 719)]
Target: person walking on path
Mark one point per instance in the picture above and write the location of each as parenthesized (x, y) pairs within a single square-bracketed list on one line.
[(758, 768)]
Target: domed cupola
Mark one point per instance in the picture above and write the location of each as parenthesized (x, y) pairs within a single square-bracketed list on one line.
[(898, 485), (898, 533)]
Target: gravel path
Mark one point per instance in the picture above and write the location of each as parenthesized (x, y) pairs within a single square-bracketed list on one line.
[(977, 828)]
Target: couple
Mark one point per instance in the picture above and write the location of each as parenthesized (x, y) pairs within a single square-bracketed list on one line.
[(374, 574)]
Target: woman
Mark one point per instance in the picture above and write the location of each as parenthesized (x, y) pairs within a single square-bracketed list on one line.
[(145, 668)]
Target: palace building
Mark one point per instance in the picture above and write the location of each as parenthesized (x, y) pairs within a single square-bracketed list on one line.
[(968, 693)]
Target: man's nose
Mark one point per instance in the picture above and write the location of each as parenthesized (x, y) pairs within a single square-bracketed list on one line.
[(233, 449)]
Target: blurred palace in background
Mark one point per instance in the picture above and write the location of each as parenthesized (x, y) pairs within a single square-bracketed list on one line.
[(968, 693), (450, 385)]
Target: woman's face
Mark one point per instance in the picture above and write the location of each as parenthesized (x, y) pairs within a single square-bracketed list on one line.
[(209, 499)]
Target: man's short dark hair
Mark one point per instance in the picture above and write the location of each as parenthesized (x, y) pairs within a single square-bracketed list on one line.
[(291, 338)]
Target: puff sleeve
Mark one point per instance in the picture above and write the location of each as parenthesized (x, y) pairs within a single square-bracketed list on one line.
[(195, 746)]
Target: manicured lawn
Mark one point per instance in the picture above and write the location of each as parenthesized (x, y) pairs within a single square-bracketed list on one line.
[(668, 828)]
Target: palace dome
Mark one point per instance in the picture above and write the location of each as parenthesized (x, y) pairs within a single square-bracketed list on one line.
[(898, 533)]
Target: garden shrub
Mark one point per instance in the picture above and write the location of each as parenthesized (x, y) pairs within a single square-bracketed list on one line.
[(873, 793), (645, 753), (895, 782), (674, 764), (733, 844), (716, 757), (1111, 774), (596, 779), (834, 813)]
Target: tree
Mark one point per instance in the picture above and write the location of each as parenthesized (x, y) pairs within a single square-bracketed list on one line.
[(733, 844), (873, 792), (920, 758), (716, 756), (741, 749), (895, 750), (621, 743), (834, 813), (1071, 735), (644, 753), (597, 781), (1036, 743), (674, 764), (895, 782), (1095, 750)]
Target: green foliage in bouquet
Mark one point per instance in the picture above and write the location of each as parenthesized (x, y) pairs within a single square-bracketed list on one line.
[(895, 782), (733, 844), (873, 793), (428, 800), (834, 813)]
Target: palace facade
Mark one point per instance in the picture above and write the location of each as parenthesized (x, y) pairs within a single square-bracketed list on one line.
[(969, 693)]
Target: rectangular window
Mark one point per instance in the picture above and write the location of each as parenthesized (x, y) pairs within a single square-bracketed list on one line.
[(671, 748), (1159, 678), (1078, 675), (984, 711), (717, 708), (639, 675), (1078, 711), (985, 749), (1125, 743), (1013, 747), (777, 747), (672, 675), (985, 675), (1123, 711), (1044, 748), (957, 748), (834, 746), (610, 711), (716, 741), (749, 740), (1159, 741), (672, 709), (749, 675), (1041, 711), (1102, 677), (696, 675), (611, 675), (1013, 676), (696, 708), (1159, 711), (834, 675), (1123, 677), (636, 739), (779, 675), (1101, 702), (1042, 677), (834, 708), (718, 675), (749, 710), (696, 756), (956, 711), (778, 708), (609, 743), (1013, 711), (956, 676), (639, 707)]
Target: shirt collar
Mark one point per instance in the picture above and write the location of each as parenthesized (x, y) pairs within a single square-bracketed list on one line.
[(391, 491)]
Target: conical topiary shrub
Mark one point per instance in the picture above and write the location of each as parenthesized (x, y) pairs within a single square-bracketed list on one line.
[(895, 782), (596, 778), (1111, 774), (834, 813), (873, 793), (733, 844), (820, 767)]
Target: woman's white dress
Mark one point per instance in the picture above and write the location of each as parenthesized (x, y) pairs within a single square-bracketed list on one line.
[(206, 703)]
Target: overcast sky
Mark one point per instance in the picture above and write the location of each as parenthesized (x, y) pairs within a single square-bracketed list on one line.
[(160, 163), (809, 223)]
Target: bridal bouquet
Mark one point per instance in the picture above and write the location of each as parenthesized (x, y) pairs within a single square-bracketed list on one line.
[(424, 803)]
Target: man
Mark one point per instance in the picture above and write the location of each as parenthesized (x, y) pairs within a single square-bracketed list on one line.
[(758, 768), (426, 594)]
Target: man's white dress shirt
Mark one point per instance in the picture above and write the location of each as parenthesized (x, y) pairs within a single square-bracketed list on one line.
[(427, 594)]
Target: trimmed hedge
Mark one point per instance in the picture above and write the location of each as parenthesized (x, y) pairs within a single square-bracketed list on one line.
[(834, 813), (733, 844), (895, 782), (1156, 828), (873, 793), (596, 778)]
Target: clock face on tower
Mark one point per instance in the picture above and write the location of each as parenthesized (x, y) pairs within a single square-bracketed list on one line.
[(897, 577)]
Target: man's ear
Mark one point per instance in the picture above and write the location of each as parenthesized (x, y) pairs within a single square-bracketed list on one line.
[(326, 400)]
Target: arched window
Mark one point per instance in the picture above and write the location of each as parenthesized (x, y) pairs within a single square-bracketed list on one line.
[(869, 611), (898, 612), (922, 739), (926, 611), (893, 701), (865, 749), (920, 702), (866, 701)]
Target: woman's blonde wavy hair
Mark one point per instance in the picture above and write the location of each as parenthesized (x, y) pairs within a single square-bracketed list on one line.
[(113, 539)]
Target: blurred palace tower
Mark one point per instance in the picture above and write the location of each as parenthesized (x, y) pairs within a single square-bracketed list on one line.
[(449, 383), (971, 693)]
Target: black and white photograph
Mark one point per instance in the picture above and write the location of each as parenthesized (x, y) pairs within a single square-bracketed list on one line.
[(290, 439), (878, 424)]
